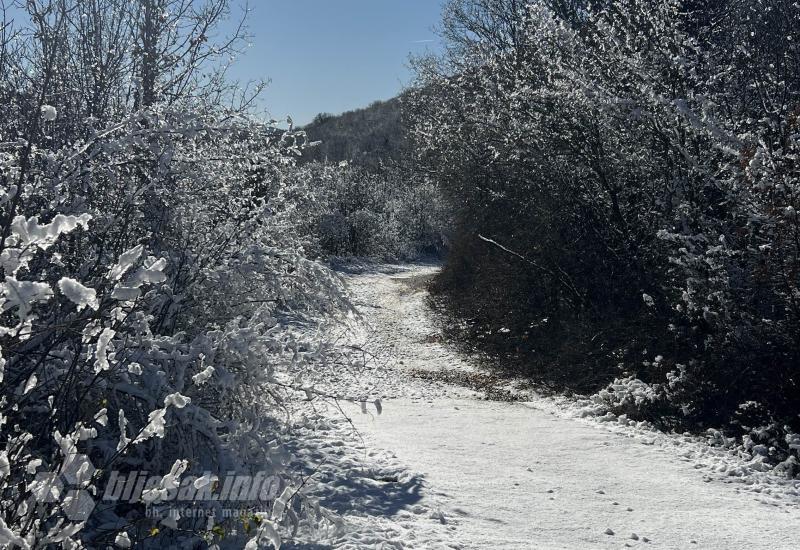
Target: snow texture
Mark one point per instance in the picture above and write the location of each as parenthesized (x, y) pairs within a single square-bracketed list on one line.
[(444, 467), (126, 260), (21, 294), (78, 294)]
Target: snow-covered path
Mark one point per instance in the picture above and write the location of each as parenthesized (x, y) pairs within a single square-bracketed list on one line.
[(490, 474), (517, 477)]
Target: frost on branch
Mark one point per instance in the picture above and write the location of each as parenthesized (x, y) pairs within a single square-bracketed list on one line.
[(150, 276), (161, 338), (78, 294)]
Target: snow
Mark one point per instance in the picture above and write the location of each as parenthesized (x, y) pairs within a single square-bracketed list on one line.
[(49, 113), (125, 294), (176, 400), (443, 467), (203, 376), (122, 540), (124, 440), (30, 232), (169, 482), (78, 294), (22, 294), (497, 463), (5, 467), (101, 354), (154, 428), (30, 384), (126, 260), (8, 538), (151, 273)]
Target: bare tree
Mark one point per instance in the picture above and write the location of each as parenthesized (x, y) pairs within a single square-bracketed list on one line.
[(174, 41)]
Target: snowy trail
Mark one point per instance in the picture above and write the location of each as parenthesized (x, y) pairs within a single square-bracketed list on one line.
[(517, 477), (490, 474)]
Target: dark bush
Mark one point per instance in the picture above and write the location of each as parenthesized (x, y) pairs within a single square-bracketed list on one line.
[(625, 181)]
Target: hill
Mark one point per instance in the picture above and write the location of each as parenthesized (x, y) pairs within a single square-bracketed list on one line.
[(364, 136)]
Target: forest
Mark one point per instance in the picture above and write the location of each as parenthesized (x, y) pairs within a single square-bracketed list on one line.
[(610, 188)]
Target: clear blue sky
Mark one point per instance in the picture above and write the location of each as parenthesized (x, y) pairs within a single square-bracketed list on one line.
[(334, 55)]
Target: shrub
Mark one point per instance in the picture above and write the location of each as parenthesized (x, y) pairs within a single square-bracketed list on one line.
[(352, 212), (151, 290), (618, 171)]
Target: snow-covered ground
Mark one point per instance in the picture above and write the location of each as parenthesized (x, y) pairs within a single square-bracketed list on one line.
[(443, 467)]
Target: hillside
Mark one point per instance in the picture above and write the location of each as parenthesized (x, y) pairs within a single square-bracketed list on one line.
[(364, 137)]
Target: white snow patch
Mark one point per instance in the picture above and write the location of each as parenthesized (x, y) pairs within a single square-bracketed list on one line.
[(78, 294), (49, 113), (126, 261)]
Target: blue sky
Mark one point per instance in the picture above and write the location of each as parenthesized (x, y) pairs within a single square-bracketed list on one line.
[(334, 55)]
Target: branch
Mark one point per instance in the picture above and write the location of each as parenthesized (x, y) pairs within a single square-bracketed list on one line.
[(563, 278)]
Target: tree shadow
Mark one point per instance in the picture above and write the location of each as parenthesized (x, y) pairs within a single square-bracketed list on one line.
[(370, 496), (373, 491)]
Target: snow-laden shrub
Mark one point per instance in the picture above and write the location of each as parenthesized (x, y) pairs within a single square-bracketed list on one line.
[(153, 292), (387, 215), (151, 299), (619, 170), (629, 396)]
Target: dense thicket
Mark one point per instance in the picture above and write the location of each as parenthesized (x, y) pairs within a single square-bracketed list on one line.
[(625, 178), (151, 286), (350, 211)]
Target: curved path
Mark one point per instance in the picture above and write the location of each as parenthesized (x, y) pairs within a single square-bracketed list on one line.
[(529, 474)]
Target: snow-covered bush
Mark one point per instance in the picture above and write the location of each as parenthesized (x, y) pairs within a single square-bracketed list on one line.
[(152, 293), (147, 329), (626, 170), (387, 215)]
